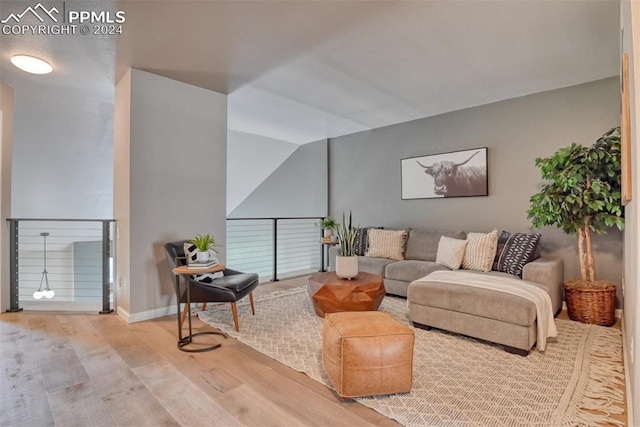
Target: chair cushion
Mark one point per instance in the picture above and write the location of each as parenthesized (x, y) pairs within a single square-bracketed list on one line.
[(230, 288), (237, 282)]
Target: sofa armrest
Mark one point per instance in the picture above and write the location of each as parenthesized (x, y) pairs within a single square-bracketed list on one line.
[(548, 272), (333, 252)]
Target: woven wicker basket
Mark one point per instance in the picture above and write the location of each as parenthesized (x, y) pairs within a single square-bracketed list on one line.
[(591, 302)]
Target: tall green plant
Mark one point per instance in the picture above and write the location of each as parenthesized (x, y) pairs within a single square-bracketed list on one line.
[(346, 235), (581, 194)]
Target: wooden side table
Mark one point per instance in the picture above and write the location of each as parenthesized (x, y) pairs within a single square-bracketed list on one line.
[(183, 270), (327, 244)]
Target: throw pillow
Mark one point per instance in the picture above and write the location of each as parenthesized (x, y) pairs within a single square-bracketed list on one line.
[(480, 251), (361, 244), (514, 251), (450, 252), (386, 244), (207, 277)]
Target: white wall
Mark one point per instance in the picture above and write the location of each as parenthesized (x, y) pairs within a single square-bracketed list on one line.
[(170, 151), (6, 143), (250, 160), (62, 154)]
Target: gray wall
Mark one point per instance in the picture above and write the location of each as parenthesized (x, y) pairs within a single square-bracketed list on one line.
[(170, 157), (364, 173), (63, 154), (297, 188)]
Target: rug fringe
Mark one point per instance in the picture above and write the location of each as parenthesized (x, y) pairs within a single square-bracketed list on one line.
[(604, 391)]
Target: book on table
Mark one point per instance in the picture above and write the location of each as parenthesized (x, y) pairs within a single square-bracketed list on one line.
[(201, 265)]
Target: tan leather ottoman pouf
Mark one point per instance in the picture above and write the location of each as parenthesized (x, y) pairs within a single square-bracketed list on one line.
[(367, 353)]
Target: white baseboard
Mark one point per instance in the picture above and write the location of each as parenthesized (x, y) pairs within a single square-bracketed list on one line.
[(146, 315), (618, 310)]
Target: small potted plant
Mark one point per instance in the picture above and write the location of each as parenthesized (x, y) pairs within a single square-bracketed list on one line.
[(204, 244), (581, 196), (328, 224), (347, 261)]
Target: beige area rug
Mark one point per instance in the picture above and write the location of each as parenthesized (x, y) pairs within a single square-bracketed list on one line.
[(457, 381)]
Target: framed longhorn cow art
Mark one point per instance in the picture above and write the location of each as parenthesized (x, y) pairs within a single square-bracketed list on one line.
[(454, 174)]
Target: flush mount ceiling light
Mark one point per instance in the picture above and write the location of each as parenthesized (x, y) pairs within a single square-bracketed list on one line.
[(31, 64)]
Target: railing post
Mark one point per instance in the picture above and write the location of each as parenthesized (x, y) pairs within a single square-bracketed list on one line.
[(14, 296), (106, 306), (275, 250), (322, 268)]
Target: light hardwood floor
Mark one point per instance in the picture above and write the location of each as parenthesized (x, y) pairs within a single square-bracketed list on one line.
[(96, 370)]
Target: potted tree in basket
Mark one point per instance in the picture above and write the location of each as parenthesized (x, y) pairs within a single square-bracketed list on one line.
[(204, 244), (328, 224), (347, 261), (582, 196)]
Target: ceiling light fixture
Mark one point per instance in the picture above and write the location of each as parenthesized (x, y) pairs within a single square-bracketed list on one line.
[(31, 64)]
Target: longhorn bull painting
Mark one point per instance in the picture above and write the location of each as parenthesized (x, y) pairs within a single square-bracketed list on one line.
[(456, 174)]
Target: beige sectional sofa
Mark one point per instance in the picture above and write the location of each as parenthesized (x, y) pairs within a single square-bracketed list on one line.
[(489, 315)]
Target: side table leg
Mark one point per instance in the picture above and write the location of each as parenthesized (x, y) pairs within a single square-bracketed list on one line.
[(182, 342), (177, 286)]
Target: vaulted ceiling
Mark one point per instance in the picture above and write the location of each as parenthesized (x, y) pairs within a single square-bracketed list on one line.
[(301, 71)]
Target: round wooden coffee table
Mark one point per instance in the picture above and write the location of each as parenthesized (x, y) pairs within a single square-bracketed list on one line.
[(331, 294)]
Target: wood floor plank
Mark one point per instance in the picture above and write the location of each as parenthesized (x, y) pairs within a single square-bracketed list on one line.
[(54, 351), (128, 399), (128, 345), (182, 399), (253, 408), (23, 399), (79, 405)]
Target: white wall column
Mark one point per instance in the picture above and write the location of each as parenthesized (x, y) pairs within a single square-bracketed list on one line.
[(6, 146), (170, 156)]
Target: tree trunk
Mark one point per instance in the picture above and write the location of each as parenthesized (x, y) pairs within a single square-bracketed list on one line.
[(589, 252), (582, 254)]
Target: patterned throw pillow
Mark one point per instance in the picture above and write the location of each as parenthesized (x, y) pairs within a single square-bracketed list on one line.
[(386, 244), (361, 245), (480, 251), (207, 277), (450, 252), (514, 251)]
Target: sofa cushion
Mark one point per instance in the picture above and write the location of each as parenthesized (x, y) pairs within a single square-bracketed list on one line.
[(480, 251), (386, 244), (514, 251), (450, 252), (475, 301), (410, 270), (423, 244), (373, 265)]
